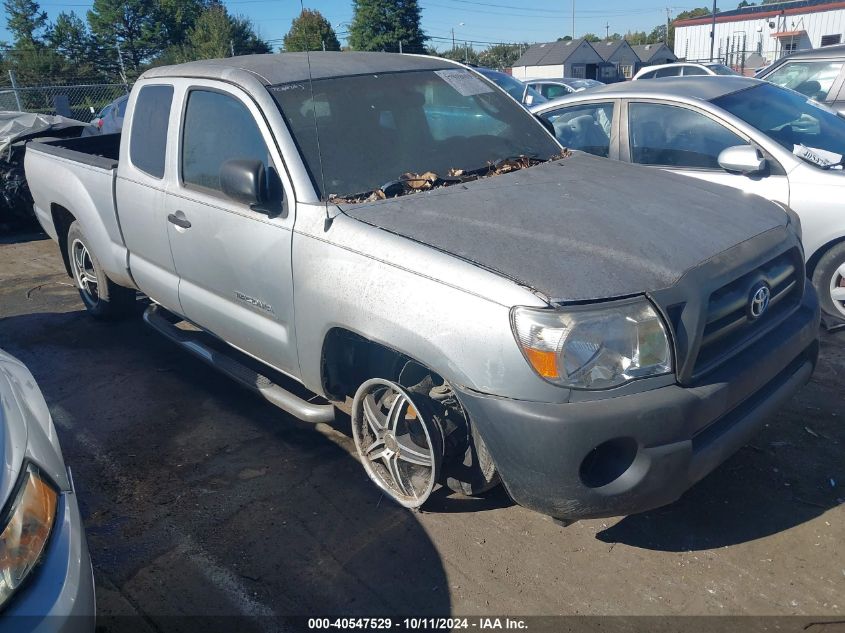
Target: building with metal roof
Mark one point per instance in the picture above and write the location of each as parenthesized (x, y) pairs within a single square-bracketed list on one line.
[(770, 30)]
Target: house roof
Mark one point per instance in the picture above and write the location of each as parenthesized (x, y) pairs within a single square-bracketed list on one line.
[(647, 52), (607, 48), (791, 7), (282, 68), (549, 53)]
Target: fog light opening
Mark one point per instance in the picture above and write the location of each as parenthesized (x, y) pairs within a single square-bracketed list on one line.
[(608, 461)]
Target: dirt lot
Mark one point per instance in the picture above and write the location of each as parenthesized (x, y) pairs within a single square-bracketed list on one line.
[(201, 499)]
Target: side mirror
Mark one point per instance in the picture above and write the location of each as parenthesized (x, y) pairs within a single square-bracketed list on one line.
[(244, 181), (742, 159)]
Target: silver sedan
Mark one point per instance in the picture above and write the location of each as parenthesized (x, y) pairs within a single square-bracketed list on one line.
[(46, 582), (735, 131)]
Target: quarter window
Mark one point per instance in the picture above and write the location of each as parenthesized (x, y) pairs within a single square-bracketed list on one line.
[(672, 136), (148, 138), (584, 127)]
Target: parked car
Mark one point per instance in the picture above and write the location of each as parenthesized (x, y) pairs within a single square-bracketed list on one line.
[(46, 582), (513, 86), (818, 74), (683, 69), (110, 118), (596, 335), (554, 88), (734, 131)]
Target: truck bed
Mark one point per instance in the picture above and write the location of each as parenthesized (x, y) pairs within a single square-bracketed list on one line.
[(98, 151), (75, 178)]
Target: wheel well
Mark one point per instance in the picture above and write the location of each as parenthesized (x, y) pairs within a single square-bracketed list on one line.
[(62, 219), (814, 260), (349, 359)]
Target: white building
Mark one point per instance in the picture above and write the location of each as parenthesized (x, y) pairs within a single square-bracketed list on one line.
[(769, 30)]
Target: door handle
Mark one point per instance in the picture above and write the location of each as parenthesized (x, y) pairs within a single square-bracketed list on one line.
[(178, 221)]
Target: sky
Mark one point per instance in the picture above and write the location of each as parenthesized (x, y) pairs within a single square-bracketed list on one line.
[(480, 21)]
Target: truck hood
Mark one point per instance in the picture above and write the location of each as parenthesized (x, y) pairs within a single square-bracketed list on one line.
[(581, 228)]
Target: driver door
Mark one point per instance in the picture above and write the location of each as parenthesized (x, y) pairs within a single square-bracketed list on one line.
[(233, 262), (688, 141)]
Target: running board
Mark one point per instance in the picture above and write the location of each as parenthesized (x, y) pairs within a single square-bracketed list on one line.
[(156, 317)]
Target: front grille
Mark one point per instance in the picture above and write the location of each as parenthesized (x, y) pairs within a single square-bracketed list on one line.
[(728, 325)]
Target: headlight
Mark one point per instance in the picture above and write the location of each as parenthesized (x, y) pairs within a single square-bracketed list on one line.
[(26, 528), (594, 347)]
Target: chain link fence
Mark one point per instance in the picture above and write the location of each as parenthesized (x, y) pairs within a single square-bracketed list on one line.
[(79, 99)]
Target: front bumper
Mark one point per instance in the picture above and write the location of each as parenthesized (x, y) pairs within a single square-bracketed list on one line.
[(58, 596), (627, 454)]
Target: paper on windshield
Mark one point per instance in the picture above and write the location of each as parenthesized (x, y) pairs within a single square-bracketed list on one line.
[(466, 83), (820, 157)]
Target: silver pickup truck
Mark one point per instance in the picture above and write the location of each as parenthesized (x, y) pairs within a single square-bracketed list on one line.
[(395, 232)]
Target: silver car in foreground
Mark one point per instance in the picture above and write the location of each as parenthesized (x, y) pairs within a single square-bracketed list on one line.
[(46, 582), (734, 131)]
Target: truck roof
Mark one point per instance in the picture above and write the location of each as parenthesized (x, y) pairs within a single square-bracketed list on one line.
[(280, 68)]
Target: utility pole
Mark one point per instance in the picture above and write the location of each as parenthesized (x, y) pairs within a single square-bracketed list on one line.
[(453, 38), (713, 31), (466, 53), (668, 22), (120, 61), (573, 19), (607, 30), (15, 88)]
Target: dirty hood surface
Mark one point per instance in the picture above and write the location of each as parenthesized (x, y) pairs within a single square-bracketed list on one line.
[(581, 228)]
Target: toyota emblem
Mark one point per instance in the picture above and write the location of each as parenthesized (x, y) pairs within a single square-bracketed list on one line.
[(759, 303)]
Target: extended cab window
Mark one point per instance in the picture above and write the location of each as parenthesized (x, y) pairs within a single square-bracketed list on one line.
[(217, 128), (148, 139)]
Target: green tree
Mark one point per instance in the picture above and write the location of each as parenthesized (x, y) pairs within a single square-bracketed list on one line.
[(461, 53), (218, 34), (501, 55), (69, 37), (133, 25), (591, 37), (25, 21), (310, 31), (565, 38), (177, 18), (380, 25)]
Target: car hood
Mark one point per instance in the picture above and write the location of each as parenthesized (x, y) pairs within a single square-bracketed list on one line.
[(26, 429), (581, 228)]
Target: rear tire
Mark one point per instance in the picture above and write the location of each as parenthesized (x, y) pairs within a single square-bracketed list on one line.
[(103, 298), (829, 281)]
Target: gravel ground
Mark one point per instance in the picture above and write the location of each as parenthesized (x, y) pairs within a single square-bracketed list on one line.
[(201, 499)]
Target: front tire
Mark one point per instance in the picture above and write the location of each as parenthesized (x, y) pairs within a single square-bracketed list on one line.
[(829, 281), (103, 298)]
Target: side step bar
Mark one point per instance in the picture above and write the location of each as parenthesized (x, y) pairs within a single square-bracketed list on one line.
[(156, 317)]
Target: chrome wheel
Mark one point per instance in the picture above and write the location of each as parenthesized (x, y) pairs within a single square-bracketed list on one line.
[(400, 449), (837, 289), (83, 271)]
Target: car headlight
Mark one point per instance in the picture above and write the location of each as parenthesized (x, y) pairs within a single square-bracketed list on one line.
[(594, 346), (26, 527)]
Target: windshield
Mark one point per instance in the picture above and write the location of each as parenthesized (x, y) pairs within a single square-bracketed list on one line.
[(806, 128), (513, 86), (375, 128), (721, 69)]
